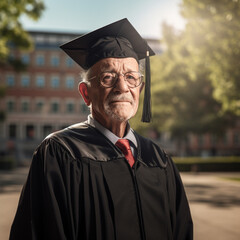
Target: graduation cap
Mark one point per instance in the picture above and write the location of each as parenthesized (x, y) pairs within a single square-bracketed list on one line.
[(116, 40)]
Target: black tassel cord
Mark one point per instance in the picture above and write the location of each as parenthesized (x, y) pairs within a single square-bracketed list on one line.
[(147, 114)]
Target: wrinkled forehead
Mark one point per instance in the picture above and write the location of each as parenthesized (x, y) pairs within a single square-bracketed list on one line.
[(116, 65)]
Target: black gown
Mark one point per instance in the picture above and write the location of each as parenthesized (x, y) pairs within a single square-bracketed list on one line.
[(80, 186)]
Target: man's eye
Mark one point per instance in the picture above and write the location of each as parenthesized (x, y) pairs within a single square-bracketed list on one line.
[(107, 78), (130, 77)]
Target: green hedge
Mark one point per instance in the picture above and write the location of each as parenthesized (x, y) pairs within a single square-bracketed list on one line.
[(208, 164)]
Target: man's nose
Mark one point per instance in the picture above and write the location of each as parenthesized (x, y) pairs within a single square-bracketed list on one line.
[(121, 84)]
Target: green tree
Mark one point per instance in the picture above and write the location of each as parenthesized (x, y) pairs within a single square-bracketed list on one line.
[(11, 30), (195, 82), (213, 29)]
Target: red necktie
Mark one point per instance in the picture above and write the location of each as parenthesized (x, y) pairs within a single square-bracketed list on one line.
[(124, 146)]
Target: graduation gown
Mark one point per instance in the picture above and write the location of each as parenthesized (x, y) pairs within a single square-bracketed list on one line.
[(80, 186)]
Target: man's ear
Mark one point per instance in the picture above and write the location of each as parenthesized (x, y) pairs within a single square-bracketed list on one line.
[(83, 89), (142, 86)]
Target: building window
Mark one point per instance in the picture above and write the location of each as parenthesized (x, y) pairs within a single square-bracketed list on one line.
[(236, 138), (47, 129), (40, 81), (69, 82), (25, 58), (69, 62), (39, 38), (200, 140), (225, 138), (214, 139), (84, 108), (11, 106), (53, 39), (25, 106), (55, 61), (12, 131), (55, 107), (30, 131), (12, 55), (10, 80), (25, 81), (40, 60), (55, 82), (39, 106), (70, 107)]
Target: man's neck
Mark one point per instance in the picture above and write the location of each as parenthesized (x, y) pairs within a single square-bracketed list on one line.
[(115, 126), (119, 129)]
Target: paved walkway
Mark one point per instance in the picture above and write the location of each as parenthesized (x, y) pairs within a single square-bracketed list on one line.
[(10, 186), (214, 202), (215, 205)]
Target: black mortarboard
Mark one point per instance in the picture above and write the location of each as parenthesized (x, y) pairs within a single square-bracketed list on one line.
[(118, 40)]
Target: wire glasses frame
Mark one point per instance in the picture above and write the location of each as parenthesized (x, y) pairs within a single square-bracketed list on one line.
[(109, 79)]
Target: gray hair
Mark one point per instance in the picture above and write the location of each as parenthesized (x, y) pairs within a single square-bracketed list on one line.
[(84, 76)]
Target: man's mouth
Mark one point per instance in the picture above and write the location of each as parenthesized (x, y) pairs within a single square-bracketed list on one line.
[(120, 101)]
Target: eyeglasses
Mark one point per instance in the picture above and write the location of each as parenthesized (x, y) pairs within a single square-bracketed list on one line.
[(109, 79)]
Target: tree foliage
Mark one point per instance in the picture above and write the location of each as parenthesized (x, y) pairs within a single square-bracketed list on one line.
[(11, 30), (213, 29), (195, 82)]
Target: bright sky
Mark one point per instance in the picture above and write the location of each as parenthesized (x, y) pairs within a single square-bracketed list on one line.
[(81, 16)]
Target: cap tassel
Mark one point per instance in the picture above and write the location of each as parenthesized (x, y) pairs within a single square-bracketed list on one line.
[(147, 114)]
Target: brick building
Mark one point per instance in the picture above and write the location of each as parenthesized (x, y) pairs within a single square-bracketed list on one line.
[(42, 99), (228, 144)]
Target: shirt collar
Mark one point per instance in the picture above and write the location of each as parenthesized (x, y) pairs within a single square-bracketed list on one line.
[(111, 136)]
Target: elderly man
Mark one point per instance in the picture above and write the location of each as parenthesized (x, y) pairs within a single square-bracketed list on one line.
[(99, 179)]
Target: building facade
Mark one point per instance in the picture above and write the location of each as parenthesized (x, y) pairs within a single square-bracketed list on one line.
[(43, 98), (227, 144)]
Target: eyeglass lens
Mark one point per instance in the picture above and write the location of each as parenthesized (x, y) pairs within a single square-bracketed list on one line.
[(133, 79)]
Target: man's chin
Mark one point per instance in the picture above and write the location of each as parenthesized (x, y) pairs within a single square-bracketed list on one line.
[(119, 112), (119, 116)]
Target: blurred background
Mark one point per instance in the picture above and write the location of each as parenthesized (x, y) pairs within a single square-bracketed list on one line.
[(195, 86)]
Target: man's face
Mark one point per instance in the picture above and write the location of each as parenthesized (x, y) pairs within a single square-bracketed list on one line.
[(117, 103)]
